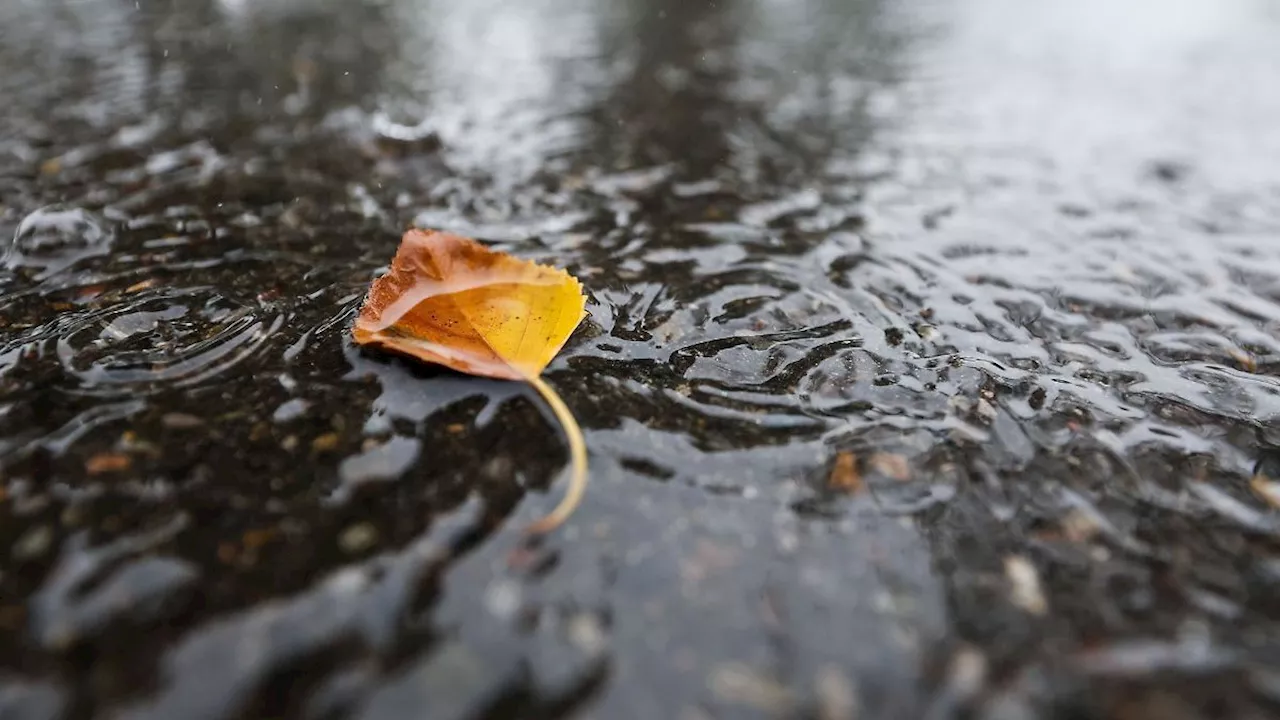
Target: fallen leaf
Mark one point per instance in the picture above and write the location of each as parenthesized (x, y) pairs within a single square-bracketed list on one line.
[(140, 286), (844, 473), (1246, 360), (325, 443), (890, 465), (90, 291), (254, 539), (451, 301), (1267, 489), (107, 462), (226, 553)]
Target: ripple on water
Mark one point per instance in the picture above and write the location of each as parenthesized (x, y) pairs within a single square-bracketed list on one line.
[(91, 588), (161, 339)]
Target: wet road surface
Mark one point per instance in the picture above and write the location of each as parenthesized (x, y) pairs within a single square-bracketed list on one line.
[(932, 367)]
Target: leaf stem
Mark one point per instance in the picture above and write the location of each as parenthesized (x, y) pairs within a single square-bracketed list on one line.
[(577, 455)]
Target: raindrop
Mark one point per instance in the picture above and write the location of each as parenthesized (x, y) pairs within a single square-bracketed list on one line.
[(54, 238)]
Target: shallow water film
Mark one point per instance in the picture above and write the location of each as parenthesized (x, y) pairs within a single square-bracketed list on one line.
[(932, 367)]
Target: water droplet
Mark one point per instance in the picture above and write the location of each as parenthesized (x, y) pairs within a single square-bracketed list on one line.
[(54, 238)]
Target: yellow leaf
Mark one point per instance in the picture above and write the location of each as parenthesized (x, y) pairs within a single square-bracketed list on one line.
[(451, 301)]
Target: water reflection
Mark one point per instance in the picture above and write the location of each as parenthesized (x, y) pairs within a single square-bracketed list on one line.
[(502, 84), (669, 102), (224, 63)]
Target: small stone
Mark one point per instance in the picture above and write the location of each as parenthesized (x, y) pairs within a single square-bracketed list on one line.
[(34, 543), (260, 431), (325, 443), (837, 694), (254, 539), (107, 462), (502, 599), (587, 635), (1078, 526), (72, 515), (226, 553), (358, 538), (740, 685), (967, 673), (1024, 584), (180, 421), (985, 411)]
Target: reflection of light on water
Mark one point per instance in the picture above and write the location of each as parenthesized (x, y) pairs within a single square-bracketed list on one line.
[(234, 7), (823, 71), (493, 80), (1092, 84), (77, 56)]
